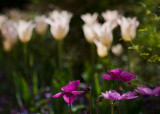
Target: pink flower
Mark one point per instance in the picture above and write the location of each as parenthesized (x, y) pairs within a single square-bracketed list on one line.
[(113, 95), (69, 91), (116, 74), (149, 91)]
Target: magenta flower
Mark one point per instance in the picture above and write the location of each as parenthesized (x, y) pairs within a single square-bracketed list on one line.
[(116, 74), (149, 91), (69, 91), (113, 95)]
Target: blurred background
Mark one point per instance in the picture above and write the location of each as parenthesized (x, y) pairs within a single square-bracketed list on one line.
[(31, 73)]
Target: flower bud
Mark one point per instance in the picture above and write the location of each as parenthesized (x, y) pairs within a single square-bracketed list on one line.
[(117, 49), (128, 28), (104, 34), (111, 16), (41, 25), (102, 50), (25, 30), (89, 19), (59, 22)]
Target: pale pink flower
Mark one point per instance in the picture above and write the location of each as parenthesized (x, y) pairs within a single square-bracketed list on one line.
[(89, 19), (117, 49)]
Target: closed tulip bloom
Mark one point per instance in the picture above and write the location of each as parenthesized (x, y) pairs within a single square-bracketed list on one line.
[(113, 95), (69, 91), (89, 32), (104, 34), (89, 19), (9, 33), (102, 50), (111, 16), (149, 91), (3, 19), (59, 23), (25, 29), (128, 28), (117, 49), (116, 74), (41, 25)]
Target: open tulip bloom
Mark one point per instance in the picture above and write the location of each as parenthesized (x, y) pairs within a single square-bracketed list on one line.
[(149, 91), (69, 91), (116, 74), (113, 95)]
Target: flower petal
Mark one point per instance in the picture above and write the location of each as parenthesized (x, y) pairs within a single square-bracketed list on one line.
[(126, 76), (71, 86), (156, 91), (113, 95), (144, 90), (77, 92), (115, 73), (58, 95), (72, 97), (107, 77)]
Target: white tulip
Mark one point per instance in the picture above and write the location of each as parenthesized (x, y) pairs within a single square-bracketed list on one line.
[(89, 19), (104, 34), (89, 31), (3, 19), (111, 16), (9, 32), (7, 45), (128, 28), (59, 23), (41, 25), (102, 50), (117, 49), (25, 30)]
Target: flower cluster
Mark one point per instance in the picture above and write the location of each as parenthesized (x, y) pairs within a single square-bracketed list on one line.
[(19, 25), (101, 34)]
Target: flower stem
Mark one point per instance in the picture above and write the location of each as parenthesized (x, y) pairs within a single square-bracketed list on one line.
[(60, 44), (112, 108), (90, 101), (118, 85), (70, 104), (119, 103), (153, 111), (92, 55), (97, 108)]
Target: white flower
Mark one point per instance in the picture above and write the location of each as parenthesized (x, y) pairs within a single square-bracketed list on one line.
[(3, 19), (117, 49), (111, 16), (89, 19), (25, 30), (104, 34), (128, 28), (89, 32), (59, 23), (102, 50), (41, 25), (9, 33)]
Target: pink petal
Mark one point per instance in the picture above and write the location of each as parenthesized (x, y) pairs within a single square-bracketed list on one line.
[(115, 73), (77, 92), (144, 90), (105, 95), (58, 95), (107, 77), (71, 86), (72, 97), (126, 76), (113, 95), (156, 91)]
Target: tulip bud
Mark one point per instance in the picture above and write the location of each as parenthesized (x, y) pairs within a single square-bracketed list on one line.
[(128, 28), (3, 19), (104, 34), (89, 19), (41, 25), (59, 22), (111, 16), (7, 45), (117, 49), (102, 50), (25, 30), (9, 33)]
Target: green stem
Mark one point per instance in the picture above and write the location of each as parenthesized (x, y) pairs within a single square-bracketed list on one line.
[(92, 55), (60, 53), (90, 101), (153, 111), (112, 108), (128, 57), (119, 103), (97, 107)]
